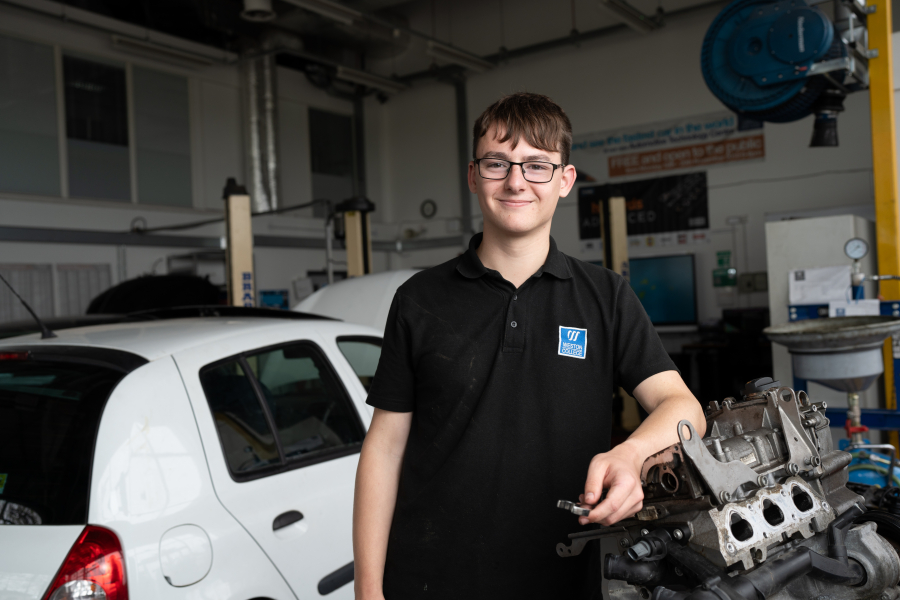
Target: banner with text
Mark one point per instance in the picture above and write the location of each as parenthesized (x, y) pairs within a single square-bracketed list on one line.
[(687, 143), (664, 211)]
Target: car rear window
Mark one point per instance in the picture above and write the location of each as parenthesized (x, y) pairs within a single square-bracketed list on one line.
[(49, 415)]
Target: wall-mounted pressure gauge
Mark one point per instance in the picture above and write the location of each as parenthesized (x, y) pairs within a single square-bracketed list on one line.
[(856, 248)]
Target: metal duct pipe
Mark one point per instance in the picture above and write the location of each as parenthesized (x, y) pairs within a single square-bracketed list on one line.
[(262, 121)]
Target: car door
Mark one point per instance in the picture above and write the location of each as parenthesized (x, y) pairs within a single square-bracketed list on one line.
[(282, 439)]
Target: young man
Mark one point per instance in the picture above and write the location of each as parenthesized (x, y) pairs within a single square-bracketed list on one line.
[(493, 393)]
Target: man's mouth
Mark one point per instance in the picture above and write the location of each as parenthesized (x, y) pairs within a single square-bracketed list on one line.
[(513, 202)]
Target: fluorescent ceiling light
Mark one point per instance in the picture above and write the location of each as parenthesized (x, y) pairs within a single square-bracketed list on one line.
[(330, 10), (160, 52), (370, 80), (631, 16), (458, 57)]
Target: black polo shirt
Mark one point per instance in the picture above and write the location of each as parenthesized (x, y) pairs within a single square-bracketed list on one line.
[(511, 394)]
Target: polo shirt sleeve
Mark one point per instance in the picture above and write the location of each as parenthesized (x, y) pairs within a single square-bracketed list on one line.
[(639, 351), (393, 387)]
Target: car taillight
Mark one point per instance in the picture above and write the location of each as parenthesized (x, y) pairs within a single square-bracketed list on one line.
[(93, 569), (13, 355)]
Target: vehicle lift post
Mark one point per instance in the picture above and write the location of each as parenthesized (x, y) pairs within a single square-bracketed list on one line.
[(358, 234), (238, 245)]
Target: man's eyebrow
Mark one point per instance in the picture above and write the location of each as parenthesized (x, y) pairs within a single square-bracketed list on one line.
[(492, 154), (542, 157)]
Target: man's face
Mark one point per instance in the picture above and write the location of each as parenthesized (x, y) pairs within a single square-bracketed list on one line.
[(514, 206)]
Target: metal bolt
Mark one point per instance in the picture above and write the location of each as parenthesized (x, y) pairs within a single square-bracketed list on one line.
[(645, 531), (725, 497), (677, 534), (624, 542), (824, 405), (824, 504), (679, 572), (792, 468), (730, 547), (762, 481)]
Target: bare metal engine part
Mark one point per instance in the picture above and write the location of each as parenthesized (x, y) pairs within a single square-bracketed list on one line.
[(757, 508)]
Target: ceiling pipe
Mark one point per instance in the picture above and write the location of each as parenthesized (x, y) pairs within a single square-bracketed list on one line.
[(569, 40)]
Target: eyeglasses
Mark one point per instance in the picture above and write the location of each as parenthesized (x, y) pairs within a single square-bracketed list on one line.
[(533, 171)]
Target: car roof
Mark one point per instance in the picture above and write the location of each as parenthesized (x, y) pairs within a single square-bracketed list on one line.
[(156, 339)]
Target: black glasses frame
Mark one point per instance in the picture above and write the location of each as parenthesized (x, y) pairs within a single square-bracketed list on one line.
[(521, 165)]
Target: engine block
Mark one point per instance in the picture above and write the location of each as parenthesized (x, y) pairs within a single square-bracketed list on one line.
[(756, 508)]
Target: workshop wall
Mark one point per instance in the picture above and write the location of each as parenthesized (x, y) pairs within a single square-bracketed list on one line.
[(627, 79), (216, 152)]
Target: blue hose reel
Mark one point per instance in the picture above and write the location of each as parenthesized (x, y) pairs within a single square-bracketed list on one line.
[(781, 61)]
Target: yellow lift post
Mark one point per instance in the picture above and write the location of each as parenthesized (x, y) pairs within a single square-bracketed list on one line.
[(884, 167), (238, 245)]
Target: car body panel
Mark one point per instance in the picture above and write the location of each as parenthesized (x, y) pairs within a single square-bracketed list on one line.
[(320, 543), (150, 476), (30, 557)]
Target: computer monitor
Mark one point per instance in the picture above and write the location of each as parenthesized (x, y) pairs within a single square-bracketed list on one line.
[(666, 287)]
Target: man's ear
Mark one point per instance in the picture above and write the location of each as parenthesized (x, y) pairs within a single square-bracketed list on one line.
[(567, 180), (471, 177)]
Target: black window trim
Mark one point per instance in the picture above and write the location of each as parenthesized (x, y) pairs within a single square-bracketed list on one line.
[(366, 339), (285, 465)]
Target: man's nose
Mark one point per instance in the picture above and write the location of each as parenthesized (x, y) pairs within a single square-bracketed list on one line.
[(516, 178)]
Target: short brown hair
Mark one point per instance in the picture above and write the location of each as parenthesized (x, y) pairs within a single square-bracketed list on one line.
[(537, 118)]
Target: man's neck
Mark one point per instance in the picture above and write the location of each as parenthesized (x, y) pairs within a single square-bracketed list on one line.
[(515, 258)]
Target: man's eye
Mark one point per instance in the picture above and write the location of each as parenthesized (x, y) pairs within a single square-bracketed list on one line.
[(537, 167), (496, 165)]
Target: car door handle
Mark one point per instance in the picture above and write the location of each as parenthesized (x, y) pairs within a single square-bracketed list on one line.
[(339, 578), (285, 519)]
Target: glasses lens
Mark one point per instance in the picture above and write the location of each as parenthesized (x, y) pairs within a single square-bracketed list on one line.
[(538, 172), (491, 168)]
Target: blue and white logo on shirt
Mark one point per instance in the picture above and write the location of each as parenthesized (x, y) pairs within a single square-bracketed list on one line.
[(572, 342)]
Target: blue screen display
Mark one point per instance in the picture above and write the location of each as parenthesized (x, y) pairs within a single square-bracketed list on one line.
[(665, 286)]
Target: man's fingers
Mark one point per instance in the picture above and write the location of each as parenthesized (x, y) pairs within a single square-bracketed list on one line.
[(593, 487), (616, 499)]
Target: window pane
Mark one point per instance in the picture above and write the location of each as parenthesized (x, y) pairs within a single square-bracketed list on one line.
[(331, 149), (363, 355), (163, 138), (29, 144), (245, 435), (97, 130), (49, 413), (311, 411)]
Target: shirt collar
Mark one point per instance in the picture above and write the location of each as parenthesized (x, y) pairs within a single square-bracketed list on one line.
[(471, 266)]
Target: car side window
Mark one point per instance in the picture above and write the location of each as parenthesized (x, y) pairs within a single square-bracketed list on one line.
[(289, 390), (362, 353), (244, 431), (311, 411)]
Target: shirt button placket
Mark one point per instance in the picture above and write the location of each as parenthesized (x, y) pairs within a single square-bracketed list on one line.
[(514, 335)]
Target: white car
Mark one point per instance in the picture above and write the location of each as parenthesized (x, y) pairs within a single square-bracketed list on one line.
[(185, 458), (365, 300)]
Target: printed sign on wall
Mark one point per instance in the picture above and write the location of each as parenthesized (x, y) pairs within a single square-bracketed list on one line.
[(675, 205), (687, 143)]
